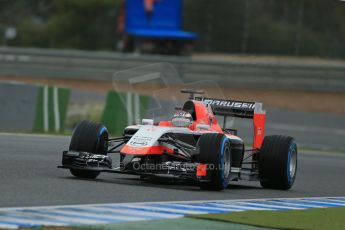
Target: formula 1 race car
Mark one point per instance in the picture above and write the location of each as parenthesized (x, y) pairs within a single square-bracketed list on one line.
[(191, 146)]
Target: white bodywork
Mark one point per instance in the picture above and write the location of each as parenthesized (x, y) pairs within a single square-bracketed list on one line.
[(148, 135)]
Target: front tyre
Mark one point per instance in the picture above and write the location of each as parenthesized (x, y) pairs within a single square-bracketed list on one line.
[(278, 162), (89, 137), (215, 151)]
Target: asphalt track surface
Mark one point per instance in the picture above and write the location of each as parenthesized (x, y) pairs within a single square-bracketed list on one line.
[(29, 177)]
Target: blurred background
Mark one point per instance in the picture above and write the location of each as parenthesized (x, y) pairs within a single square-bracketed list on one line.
[(285, 27), (60, 62)]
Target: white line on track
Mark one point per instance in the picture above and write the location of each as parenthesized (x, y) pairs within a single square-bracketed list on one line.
[(56, 109), (269, 206), (8, 226), (137, 108), (45, 108), (129, 104), (116, 211)]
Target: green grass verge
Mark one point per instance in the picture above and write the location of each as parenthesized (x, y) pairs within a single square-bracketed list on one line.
[(320, 218), (173, 224)]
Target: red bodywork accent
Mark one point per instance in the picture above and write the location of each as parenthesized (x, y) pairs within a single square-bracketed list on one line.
[(152, 150), (202, 116), (165, 123), (201, 170), (259, 129)]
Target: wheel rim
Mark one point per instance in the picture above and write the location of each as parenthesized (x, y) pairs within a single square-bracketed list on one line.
[(293, 163), (227, 161)]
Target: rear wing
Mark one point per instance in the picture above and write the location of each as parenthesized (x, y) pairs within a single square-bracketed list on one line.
[(241, 109)]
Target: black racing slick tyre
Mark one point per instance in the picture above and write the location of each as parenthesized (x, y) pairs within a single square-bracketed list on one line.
[(278, 162), (89, 137), (215, 151)]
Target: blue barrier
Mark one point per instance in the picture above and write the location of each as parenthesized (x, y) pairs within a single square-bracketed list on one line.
[(163, 19)]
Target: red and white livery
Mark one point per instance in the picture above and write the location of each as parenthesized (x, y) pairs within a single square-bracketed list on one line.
[(192, 146)]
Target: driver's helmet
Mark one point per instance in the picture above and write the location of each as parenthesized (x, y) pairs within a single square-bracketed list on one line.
[(182, 119)]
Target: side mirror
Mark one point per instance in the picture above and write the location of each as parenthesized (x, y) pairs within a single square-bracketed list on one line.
[(203, 127)]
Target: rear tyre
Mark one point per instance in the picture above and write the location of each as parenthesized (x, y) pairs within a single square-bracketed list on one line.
[(278, 162), (89, 137), (215, 151)]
